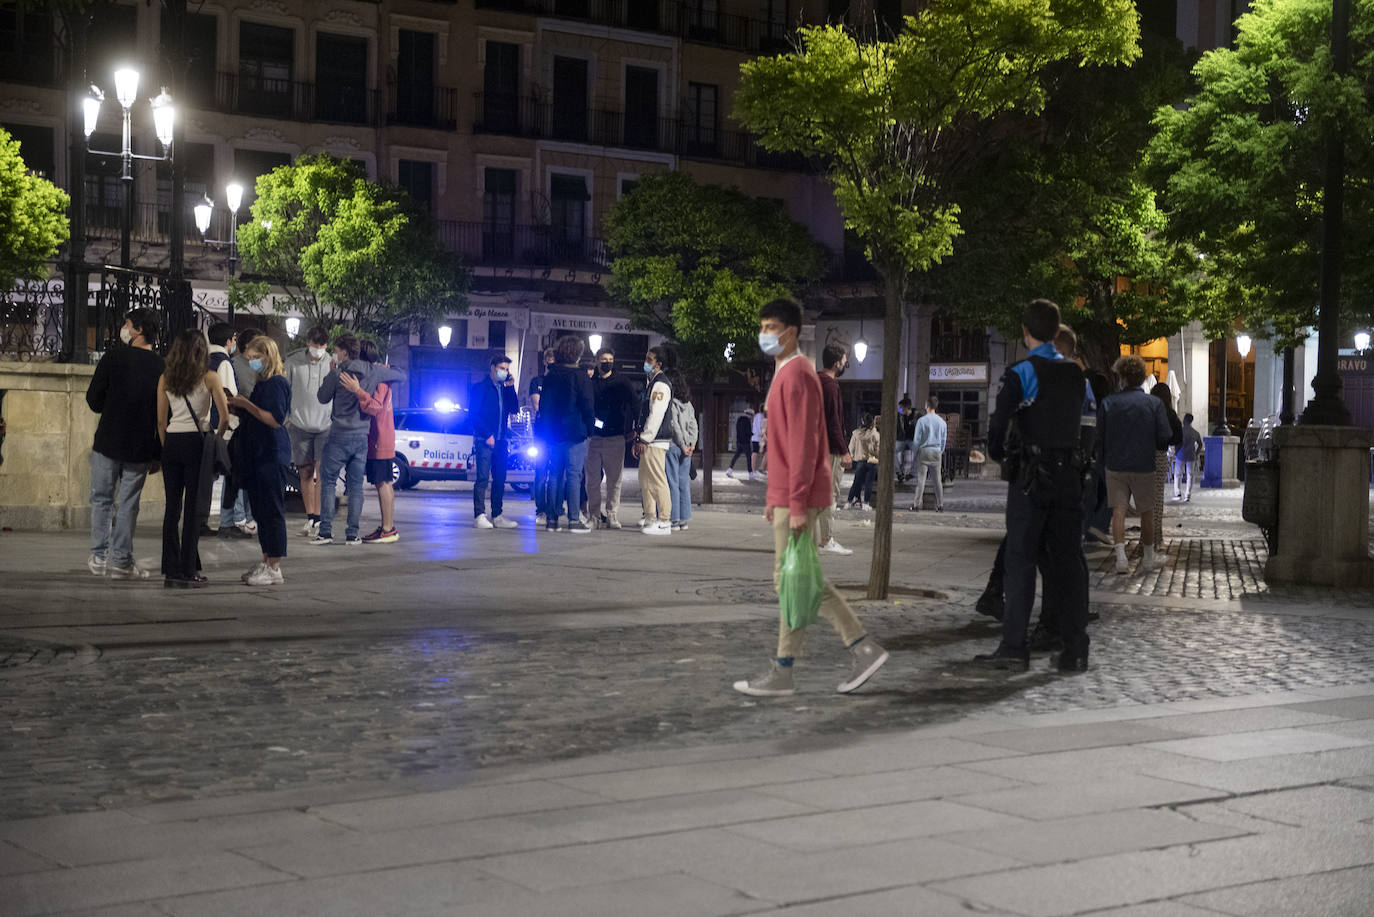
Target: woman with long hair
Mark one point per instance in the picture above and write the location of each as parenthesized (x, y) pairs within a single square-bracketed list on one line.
[(682, 420), (863, 446), (1163, 393), (185, 393), (265, 451)]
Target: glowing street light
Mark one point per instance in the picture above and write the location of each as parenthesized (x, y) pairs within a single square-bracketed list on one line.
[(1243, 345), (445, 335), (293, 327), (594, 341), (1361, 341)]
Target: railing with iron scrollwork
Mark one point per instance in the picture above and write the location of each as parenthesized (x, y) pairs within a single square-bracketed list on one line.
[(31, 321)]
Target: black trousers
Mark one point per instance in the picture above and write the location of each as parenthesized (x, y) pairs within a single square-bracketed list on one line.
[(1050, 600), (266, 488), (1050, 522), (745, 449), (181, 457)]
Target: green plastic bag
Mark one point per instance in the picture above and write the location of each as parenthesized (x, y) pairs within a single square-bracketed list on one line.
[(801, 584)]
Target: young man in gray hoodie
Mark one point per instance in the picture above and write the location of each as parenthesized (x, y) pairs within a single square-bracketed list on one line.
[(346, 444), (308, 422)]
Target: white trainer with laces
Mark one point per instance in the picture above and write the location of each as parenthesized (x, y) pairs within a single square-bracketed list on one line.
[(265, 576), (501, 522), (482, 522), (834, 547)]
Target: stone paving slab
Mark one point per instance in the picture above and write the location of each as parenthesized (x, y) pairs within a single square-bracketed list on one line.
[(1340, 893)]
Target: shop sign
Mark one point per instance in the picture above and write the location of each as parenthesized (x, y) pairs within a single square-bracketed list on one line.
[(959, 372), (1354, 364), (583, 323)]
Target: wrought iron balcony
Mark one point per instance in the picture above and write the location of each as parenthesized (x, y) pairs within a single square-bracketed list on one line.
[(422, 106), (294, 101), (512, 244)]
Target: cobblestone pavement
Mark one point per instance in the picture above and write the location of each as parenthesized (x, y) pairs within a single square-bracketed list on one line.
[(86, 730)]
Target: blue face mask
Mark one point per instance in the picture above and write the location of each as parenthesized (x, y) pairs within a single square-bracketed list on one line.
[(502, 375), (769, 343), (255, 365), (648, 367)]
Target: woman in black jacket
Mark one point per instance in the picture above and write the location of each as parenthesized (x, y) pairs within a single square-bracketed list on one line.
[(1164, 394), (566, 415)]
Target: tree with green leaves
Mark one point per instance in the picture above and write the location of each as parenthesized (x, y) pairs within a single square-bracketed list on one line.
[(345, 250), (1241, 169), (33, 219), (894, 122), (695, 263)]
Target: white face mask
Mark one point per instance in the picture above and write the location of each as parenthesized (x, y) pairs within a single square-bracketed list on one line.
[(125, 334), (316, 353), (769, 343)]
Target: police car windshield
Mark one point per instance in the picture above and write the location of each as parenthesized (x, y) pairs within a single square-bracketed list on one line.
[(420, 421)]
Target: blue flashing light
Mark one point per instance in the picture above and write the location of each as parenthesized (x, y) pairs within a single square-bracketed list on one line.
[(445, 406), (532, 451)]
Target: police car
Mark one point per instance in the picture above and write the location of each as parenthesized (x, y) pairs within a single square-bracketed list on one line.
[(435, 444)]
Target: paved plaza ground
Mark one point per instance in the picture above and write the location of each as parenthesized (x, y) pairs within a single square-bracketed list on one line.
[(513, 723)]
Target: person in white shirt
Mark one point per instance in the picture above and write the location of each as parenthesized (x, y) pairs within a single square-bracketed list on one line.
[(655, 436)]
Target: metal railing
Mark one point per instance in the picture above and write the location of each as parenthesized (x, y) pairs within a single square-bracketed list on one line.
[(294, 101), (519, 244), (432, 106), (151, 223), (31, 320)]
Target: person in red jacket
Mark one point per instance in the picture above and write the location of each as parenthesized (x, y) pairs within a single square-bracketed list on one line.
[(798, 489)]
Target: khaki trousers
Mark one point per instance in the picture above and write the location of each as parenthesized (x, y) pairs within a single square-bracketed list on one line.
[(604, 454), (653, 485), (833, 607), (825, 522)]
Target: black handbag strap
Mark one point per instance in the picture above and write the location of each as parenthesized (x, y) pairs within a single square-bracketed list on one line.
[(194, 419)]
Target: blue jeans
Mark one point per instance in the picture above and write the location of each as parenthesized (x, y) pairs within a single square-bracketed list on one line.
[(232, 513), (679, 469), (491, 470), (349, 452), (111, 479), (565, 482)]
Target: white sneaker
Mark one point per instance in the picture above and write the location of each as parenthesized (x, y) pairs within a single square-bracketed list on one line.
[(1122, 564), (729, 472), (657, 528), (540, 518), (308, 528), (501, 522), (321, 539), (1153, 560), (482, 522), (96, 565), (252, 571), (265, 576), (133, 571), (834, 547), (248, 528), (753, 475), (643, 521)]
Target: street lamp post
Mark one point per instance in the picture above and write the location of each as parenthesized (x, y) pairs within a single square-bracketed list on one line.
[(1223, 428), (126, 91), (233, 196)]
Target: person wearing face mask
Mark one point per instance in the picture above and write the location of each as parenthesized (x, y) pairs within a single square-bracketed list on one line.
[(798, 489), (655, 437), (263, 454), (221, 335), (123, 391), (491, 402), (906, 439), (308, 424), (614, 400), (236, 509), (543, 493), (836, 360), (566, 416)]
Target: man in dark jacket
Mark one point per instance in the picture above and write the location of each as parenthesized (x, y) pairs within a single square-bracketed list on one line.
[(490, 404), (615, 402), (835, 360), (906, 440), (566, 416), (346, 445), (123, 391), (1134, 426)]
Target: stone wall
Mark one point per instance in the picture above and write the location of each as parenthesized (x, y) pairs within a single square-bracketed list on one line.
[(45, 475)]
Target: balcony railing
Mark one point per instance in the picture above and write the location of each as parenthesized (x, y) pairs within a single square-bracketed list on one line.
[(426, 106), (151, 224), (512, 244), (668, 17), (960, 347), (294, 101), (503, 113)]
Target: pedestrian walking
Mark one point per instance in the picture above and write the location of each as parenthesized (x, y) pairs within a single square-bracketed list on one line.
[(683, 426), (1042, 433), (566, 415), (491, 402), (863, 446), (931, 433), (264, 454), (380, 469), (1134, 427), (744, 445), (835, 360), (123, 391), (345, 447), (1162, 459), (906, 440), (1185, 457), (236, 510), (655, 436), (798, 490), (186, 393), (308, 425), (760, 437), (615, 402)]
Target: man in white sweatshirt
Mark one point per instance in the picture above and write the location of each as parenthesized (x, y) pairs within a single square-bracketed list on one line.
[(308, 423), (651, 445)]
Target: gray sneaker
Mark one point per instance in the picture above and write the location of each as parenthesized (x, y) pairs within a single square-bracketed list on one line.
[(776, 682), (869, 657), (133, 571), (96, 565)]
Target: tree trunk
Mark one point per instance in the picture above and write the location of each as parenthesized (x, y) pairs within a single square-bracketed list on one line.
[(708, 444), (1099, 344), (880, 569)]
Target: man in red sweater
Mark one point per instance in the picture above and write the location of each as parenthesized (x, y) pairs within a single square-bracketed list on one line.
[(798, 489)]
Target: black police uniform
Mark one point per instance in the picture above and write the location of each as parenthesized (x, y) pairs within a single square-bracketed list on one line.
[(1045, 402)]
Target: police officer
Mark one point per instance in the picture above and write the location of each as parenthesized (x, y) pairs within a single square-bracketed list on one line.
[(1042, 432)]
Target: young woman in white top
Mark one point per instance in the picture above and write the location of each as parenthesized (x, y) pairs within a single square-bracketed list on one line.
[(185, 392)]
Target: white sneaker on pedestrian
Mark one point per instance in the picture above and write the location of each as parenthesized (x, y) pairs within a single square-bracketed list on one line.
[(729, 472), (251, 571), (1153, 560), (501, 522), (482, 522), (643, 521), (1122, 564), (540, 518), (133, 571), (776, 682), (308, 528), (657, 528), (869, 657), (96, 565), (612, 522), (248, 528), (834, 547), (265, 576), (321, 539), (753, 475)]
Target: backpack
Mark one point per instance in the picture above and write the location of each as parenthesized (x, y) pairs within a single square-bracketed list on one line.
[(684, 419)]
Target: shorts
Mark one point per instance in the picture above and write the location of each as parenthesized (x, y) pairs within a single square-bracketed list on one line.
[(306, 448), (379, 471), (1123, 485), (757, 447)]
